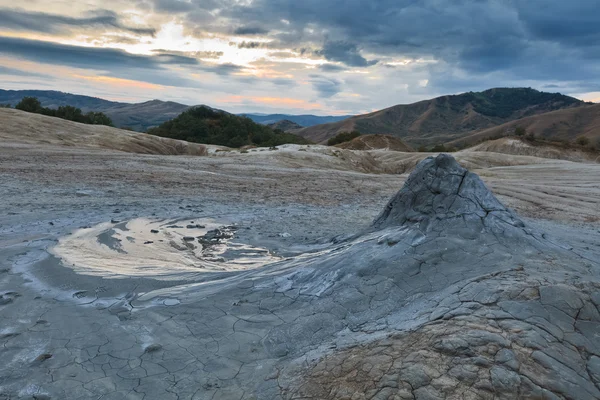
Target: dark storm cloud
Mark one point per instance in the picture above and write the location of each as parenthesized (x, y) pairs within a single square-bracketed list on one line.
[(17, 19), (574, 21), (523, 39)]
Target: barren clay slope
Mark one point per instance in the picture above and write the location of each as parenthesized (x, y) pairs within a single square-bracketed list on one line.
[(375, 142), (524, 147), (565, 125), (20, 127), (448, 117)]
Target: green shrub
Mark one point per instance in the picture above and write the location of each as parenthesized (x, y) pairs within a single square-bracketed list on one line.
[(582, 141), (98, 118), (520, 131), (343, 137)]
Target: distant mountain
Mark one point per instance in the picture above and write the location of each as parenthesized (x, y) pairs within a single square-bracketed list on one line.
[(447, 118), (54, 99), (285, 125), (303, 120), (139, 117)]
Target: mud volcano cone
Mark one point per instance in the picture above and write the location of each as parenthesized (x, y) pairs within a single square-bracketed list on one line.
[(440, 194)]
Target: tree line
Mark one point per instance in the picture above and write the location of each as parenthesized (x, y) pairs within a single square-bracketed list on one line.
[(70, 113)]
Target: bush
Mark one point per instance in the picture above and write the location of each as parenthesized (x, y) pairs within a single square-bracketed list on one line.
[(582, 141), (343, 137), (5, 105), (520, 131)]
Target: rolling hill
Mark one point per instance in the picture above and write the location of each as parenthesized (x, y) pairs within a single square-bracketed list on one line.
[(23, 128), (447, 118), (559, 125), (137, 116)]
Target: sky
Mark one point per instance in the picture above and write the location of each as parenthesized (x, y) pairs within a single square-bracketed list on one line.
[(325, 57)]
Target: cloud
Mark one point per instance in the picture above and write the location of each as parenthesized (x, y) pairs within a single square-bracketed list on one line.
[(115, 63), (250, 45), (455, 46), (326, 87), (331, 68), (481, 37), (173, 6), (346, 53), (223, 69), (187, 57), (17, 72), (22, 20), (82, 57), (250, 30)]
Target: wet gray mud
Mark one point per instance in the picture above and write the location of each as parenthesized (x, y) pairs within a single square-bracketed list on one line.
[(447, 294)]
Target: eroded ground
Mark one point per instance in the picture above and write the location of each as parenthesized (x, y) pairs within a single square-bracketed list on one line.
[(385, 315)]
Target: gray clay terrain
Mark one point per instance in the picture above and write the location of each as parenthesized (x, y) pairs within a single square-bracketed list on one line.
[(297, 274)]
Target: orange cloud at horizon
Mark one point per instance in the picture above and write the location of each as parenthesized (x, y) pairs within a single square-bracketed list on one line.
[(594, 97), (119, 82)]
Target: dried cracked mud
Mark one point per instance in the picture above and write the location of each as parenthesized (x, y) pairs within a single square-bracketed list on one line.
[(444, 294)]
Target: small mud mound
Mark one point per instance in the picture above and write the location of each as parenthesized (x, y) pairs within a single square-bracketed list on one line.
[(375, 142)]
